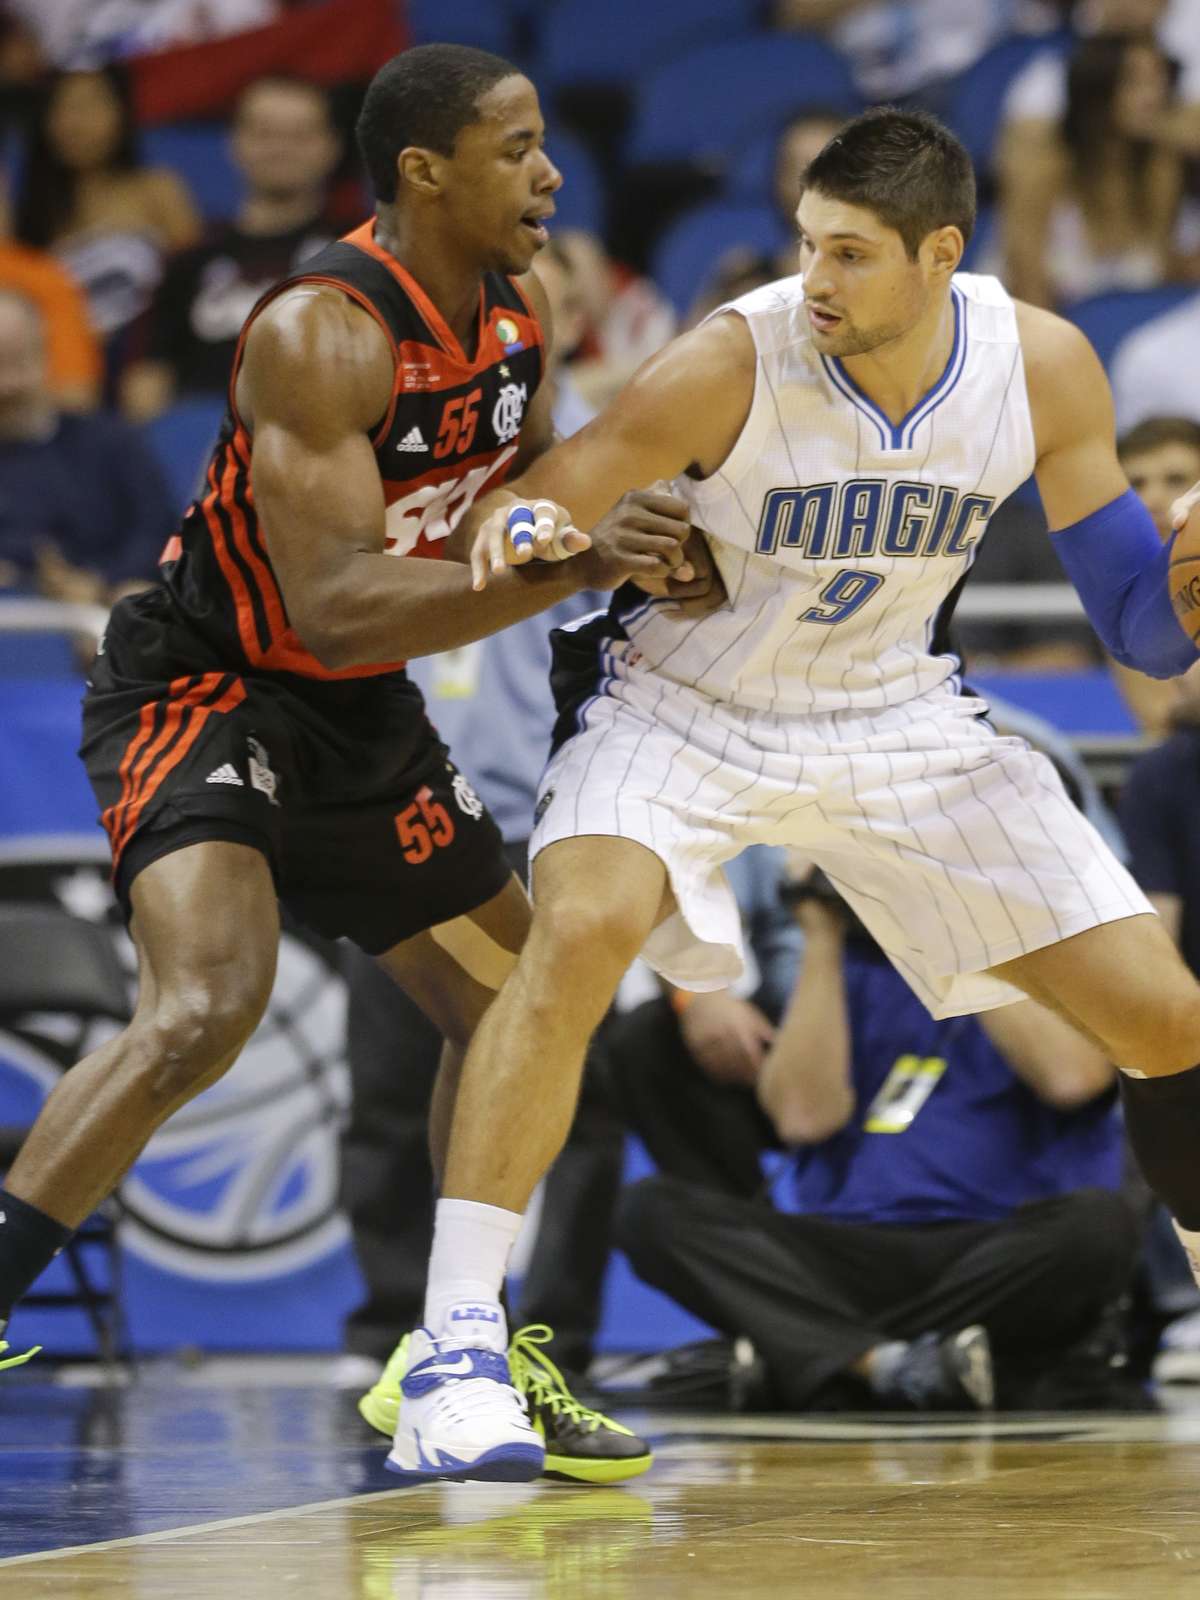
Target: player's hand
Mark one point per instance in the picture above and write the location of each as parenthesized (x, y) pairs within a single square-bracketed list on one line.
[(521, 531), (727, 1037), (704, 592), (1182, 508), (642, 537)]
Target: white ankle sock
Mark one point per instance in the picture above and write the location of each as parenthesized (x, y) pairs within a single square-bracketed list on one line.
[(471, 1246)]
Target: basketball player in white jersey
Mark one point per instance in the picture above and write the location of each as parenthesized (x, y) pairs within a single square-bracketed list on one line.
[(842, 438)]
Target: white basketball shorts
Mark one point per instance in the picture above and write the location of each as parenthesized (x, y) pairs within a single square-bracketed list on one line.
[(958, 848)]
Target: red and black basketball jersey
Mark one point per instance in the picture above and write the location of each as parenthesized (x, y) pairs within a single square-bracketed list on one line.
[(449, 434)]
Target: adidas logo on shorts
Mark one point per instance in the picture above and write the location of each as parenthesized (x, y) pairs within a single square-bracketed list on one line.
[(413, 440), (226, 774)]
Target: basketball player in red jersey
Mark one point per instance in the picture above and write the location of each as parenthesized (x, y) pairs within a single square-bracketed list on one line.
[(249, 729)]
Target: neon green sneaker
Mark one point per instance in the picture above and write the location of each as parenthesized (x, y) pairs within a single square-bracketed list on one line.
[(582, 1445), (380, 1406), (16, 1361)]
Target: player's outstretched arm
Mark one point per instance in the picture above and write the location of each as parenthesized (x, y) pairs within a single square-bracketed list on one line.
[(316, 378), (683, 409), (1102, 532)]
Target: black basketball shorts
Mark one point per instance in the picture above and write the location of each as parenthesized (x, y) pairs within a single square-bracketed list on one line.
[(369, 829)]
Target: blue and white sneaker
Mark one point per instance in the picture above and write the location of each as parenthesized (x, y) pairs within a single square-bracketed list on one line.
[(460, 1417)]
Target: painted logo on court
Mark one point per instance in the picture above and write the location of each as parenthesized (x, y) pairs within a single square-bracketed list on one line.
[(241, 1184)]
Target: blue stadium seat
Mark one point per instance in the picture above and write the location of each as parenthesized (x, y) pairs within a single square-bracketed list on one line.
[(751, 177), (706, 104), (977, 99), (182, 439), (690, 250), (586, 42), (581, 202), (1108, 318), (199, 152), (487, 24)]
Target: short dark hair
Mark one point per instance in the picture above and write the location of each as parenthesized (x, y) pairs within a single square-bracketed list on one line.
[(1155, 432), (906, 167), (424, 97)]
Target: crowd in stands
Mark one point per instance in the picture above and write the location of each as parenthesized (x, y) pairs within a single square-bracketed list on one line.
[(144, 236), (134, 240)]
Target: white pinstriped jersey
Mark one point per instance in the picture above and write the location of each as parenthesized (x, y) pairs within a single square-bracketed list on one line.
[(840, 536)]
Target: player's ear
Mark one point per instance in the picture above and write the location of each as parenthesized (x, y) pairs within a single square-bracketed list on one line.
[(943, 250), (420, 170)]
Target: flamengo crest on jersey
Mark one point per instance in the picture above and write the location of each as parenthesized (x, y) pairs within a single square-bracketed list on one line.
[(840, 535)]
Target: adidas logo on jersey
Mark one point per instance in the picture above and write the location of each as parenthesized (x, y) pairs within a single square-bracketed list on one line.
[(413, 440), (226, 774)]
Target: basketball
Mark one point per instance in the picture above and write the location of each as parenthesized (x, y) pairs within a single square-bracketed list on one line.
[(1184, 576)]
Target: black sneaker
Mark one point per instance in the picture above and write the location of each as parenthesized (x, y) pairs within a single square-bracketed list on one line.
[(951, 1373), (581, 1445)]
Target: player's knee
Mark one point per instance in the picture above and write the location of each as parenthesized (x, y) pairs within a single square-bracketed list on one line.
[(586, 936), (196, 1030)]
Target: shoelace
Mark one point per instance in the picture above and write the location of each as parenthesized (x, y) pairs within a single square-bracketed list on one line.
[(533, 1369), (16, 1361)]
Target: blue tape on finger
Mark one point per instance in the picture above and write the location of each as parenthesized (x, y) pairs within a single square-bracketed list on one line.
[(520, 527)]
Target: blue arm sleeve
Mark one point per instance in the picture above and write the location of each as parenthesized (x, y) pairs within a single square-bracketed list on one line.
[(1119, 565)]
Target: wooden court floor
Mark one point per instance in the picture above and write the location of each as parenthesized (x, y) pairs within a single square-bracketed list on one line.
[(163, 1493)]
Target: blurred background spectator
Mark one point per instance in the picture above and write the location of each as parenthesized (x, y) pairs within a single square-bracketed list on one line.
[(71, 31), (1097, 206), (88, 199), (84, 511), (627, 318), (742, 268), (913, 51), (285, 147), (1161, 458), (683, 1067), (74, 365)]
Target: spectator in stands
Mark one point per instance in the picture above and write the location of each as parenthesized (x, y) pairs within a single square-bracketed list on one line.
[(285, 146), (953, 1184), (84, 511), (1096, 207), (1036, 99), (912, 51), (74, 30), (741, 270), (1161, 458), (627, 318), (86, 198), (558, 277), (1156, 370), (72, 351), (682, 1068)]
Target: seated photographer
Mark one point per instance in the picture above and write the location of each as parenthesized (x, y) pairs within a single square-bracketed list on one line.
[(950, 1234), (680, 1070)]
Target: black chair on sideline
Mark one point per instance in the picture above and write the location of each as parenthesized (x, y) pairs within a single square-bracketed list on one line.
[(58, 975)]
